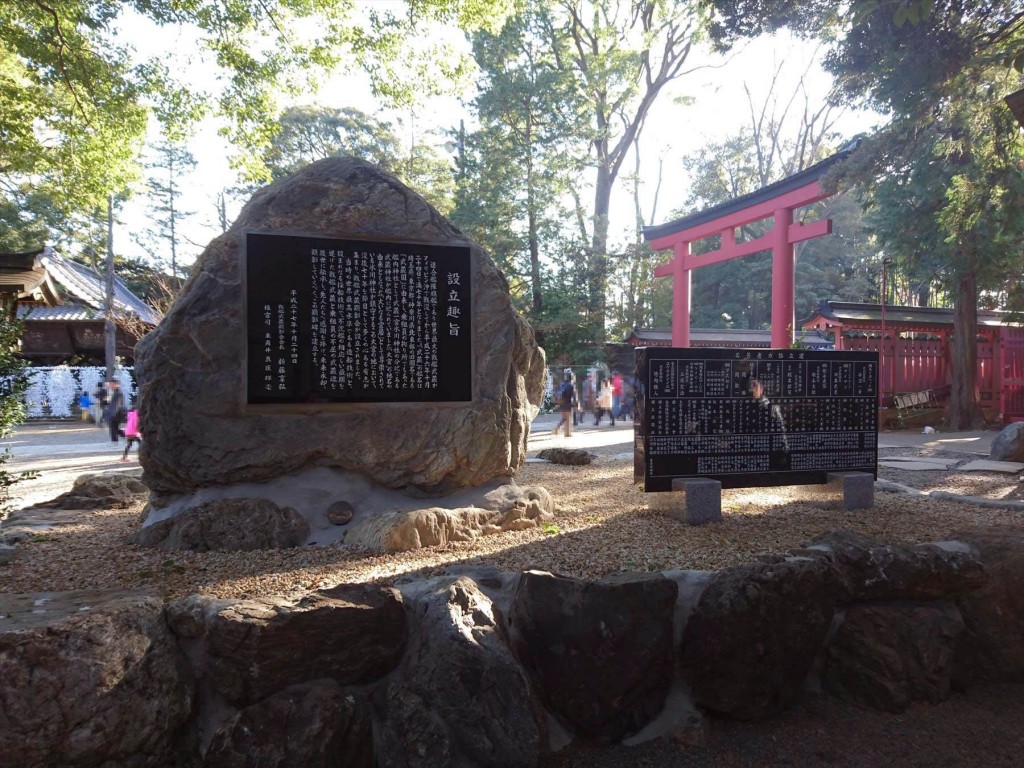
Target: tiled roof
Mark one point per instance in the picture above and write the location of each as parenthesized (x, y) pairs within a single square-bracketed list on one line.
[(848, 312), (63, 313), (83, 293)]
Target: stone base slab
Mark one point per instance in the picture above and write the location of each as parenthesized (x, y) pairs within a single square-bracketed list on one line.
[(379, 514)]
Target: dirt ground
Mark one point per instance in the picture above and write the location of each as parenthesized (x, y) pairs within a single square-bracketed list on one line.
[(979, 728)]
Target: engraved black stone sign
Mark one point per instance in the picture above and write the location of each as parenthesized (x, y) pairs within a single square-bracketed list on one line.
[(345, 321), (754, 417)]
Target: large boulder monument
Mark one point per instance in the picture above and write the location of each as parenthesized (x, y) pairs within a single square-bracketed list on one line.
[(341, 352)]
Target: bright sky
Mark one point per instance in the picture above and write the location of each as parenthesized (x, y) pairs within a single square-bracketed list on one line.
[(672, 130)]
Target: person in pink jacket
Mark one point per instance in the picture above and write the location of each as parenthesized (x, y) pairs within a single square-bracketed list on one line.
[(131, 432)]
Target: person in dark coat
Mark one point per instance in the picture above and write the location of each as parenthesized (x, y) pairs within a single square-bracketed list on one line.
[(566, 399), (99, 403), (114, 410)]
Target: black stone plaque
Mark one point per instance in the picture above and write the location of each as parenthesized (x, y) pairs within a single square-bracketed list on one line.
[(346, 321), (698, 415)]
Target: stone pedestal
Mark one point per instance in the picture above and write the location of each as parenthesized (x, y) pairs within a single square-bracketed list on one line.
[(695, 501), (848, 491)]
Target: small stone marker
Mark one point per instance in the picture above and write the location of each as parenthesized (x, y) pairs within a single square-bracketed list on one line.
[(701, 500), (857, 489), (848, 490)]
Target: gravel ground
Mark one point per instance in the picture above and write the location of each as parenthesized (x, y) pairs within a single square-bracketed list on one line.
[(603, 525)]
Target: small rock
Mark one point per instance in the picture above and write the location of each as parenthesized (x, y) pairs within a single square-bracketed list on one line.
[(571, 456), (340, 513), (7, 554), (1009, 443), (110, 490), (229, 525)]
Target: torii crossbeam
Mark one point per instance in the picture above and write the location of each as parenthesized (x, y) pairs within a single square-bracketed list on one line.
[(778, 201)]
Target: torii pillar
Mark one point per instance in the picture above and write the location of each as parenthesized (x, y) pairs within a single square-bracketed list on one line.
[(776, 201)]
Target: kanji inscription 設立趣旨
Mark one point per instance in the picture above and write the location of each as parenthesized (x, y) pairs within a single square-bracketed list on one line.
[(333, 320)]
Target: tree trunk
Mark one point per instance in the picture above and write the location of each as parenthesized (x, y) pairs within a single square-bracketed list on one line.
[(598, 277), (109, 328), (534, 238), (965, 399)]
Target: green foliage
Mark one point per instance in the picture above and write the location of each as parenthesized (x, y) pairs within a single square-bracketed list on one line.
[(163, 239), (70, 122), (75, 98), (307, 134), (736, 20), (737, 293), (516, 170), (621, 62), (560, 325), (564, 88), (12, 410), (942, 180)]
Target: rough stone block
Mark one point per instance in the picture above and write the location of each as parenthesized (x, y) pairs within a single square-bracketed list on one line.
[(843, 490), (696, 501), (854, 490)]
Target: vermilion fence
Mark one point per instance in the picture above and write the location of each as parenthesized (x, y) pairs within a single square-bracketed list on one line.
[(907, 365), (916, 364), (1012, 374)]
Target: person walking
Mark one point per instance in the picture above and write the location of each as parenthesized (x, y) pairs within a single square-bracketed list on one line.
[(99, 403), (85, 405), (114, 410), (616, 395), (605, 404), (588, 398), (132, 434), (566, 397)]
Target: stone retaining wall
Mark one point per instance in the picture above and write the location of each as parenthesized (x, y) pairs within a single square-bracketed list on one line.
[(479, 667)]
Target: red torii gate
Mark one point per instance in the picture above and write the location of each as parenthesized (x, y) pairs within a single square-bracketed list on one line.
[(777, 200)]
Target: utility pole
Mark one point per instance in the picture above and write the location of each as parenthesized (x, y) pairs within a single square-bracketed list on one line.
[(109, 328)]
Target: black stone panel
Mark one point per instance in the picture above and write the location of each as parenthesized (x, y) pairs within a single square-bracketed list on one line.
[(345, 321), (697, 415)]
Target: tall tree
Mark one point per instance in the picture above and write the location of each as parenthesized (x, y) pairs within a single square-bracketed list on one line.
[(949, 158), (307, 134), (167, 212), (639, 295), (622, 56), (946, 166), (74, 97), (515, 169)]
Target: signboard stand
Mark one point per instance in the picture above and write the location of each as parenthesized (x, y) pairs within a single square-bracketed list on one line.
[(749, 418)]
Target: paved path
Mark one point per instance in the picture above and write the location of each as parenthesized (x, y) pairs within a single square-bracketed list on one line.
[(60, 452)]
